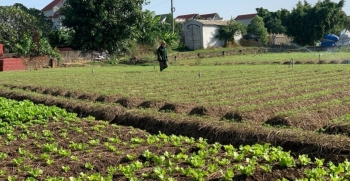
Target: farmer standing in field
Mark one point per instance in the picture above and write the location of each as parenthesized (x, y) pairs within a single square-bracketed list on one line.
[(162, 56)]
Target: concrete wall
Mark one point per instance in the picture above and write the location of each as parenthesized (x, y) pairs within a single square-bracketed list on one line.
[(245, 21), (209, 33), (33, 63), (76, 56), (278, 39)]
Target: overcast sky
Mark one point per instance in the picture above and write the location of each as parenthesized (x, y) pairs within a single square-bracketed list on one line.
[(225, 8)]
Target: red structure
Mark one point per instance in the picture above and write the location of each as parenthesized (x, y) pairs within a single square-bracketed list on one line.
[(1, 50), (7, 64)]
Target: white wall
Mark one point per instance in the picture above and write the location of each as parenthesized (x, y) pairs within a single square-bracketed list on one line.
[(48, 13), (56, 21), (245, 21), (209, 33), (57, 24)]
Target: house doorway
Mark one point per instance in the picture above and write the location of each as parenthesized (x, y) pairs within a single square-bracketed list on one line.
[(193, 37)]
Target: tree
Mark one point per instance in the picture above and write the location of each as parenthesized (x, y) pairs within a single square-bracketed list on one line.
[(298, 24), (19, 33), (347, 23), (110, 24), (230, 30), (150, 29), (273, 20), (329, 16), (62, 38), (153, 30), (307, 24), (178, 29), (257, 27), (15, 24), (42, 22)]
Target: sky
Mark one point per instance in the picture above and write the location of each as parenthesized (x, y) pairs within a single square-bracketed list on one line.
[(225, 8)]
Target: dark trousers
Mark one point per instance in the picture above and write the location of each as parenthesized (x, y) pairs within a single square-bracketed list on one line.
[(163, 65)]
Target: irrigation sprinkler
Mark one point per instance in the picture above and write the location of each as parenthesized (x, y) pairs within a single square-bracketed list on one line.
[(291, 62), (92, 71), (319, 58), (199, 74)]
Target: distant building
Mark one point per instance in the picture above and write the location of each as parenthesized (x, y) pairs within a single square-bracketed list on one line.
[(246, 18), (162, 17), (201, 34), (212, 16), (279, 39), (52, 11), (188, 17)]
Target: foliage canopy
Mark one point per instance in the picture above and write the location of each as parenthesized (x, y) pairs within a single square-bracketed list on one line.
[(257, 27), (19, 29), (230, 30), (108, 24)]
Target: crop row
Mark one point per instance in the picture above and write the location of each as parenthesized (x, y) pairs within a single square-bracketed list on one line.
[(68, 148)]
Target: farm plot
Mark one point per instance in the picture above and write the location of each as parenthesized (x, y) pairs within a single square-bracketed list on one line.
[(47, 143), (270, 58), (306, 97)]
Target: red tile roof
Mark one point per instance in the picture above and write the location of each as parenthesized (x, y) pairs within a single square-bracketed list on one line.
[(188, 16), (51, 5), (206, 16), (245, 16)]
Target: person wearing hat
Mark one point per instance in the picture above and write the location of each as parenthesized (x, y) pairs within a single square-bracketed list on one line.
[(162, 56)]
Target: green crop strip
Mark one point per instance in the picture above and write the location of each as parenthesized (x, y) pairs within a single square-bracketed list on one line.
[(144, 156)]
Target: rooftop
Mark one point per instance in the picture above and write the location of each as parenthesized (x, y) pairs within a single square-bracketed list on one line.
[(245, 16), (51, 5)]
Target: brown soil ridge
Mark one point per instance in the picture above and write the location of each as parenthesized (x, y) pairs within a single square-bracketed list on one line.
[(308, 120), (264, 115), (129, 102), (298, 141)]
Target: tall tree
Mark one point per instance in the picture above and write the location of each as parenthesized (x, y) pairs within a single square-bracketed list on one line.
[(178, 29), (273, 20), (152, 30), (299, 25), (329, 16), (107, 24), (42, 22), (62, 38), (230, 30), (19, 33), (257, 27), (347, 23), (307, 24)]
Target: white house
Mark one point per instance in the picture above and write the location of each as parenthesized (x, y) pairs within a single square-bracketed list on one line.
[(187, 17), (344, 38), (202, 34), (52, 11), (184, 18), (211, 16)]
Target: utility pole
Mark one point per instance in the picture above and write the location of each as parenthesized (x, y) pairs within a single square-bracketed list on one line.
[(172, 16)]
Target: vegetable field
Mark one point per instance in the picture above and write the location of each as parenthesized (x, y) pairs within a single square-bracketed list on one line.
[(309, 97), (240, 122), (48, 143)]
